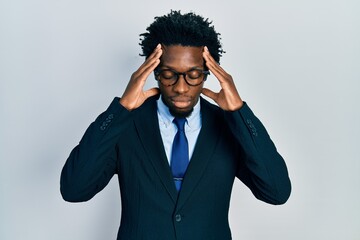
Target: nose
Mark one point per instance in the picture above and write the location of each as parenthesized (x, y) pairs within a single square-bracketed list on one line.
[(181, 86)]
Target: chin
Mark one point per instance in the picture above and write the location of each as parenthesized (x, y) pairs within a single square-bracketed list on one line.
[(180, 114)]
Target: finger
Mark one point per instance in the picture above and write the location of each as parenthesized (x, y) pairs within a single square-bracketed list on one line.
[(209, 59), (138, 78), (207, 54), (148, 70), (207, 92), (154, 55), (144, 71), (150, 63), (214, 67)]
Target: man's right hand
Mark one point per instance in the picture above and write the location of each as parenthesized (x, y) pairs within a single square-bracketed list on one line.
[(134, 95)]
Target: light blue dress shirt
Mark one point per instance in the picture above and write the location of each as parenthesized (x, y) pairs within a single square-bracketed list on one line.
[(168, 129)]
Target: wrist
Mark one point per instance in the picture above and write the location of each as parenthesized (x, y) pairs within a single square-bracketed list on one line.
[(123, 103)]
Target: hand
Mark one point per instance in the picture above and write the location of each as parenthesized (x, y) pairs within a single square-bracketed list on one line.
[(228, 98), (134, 95)]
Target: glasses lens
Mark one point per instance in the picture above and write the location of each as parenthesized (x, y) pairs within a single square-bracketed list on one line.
[(194, 74), (195, 77), (167, 77), (167, 74)]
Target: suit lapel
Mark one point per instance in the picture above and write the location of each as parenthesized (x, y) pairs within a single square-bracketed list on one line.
[(203, 151), (147, 126)]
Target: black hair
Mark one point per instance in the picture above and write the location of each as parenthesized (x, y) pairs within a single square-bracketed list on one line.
[(181, 29)]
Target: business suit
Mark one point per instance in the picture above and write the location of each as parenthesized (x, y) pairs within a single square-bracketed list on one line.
[(230, 144)]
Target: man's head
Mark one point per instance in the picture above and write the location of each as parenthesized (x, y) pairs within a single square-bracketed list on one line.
[(183, 37)]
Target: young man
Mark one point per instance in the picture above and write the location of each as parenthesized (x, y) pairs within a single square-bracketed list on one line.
[(175, 154)]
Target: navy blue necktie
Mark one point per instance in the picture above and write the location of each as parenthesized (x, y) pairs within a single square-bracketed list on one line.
[(180, 153)]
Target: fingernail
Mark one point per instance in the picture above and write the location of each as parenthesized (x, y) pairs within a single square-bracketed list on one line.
[(206, 48), (158, 46)]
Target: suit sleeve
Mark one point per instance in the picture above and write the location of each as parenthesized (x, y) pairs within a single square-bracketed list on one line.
[(261, 167), (92, 163)]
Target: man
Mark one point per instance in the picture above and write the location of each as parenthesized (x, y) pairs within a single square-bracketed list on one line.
[(175, 154)]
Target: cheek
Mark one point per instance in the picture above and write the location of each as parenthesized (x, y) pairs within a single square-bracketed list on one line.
[(199, 89), (163, 91), (166, 93), (196, 94)]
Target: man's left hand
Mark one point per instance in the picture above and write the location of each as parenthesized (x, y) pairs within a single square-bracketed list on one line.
[(228, 98)]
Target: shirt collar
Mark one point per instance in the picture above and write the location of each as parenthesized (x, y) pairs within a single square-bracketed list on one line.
[(193, 121)]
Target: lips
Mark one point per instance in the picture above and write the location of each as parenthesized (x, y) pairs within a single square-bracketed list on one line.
[(181, 102)]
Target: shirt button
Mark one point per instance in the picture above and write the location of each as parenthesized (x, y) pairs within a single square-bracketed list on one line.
[(178, 218)]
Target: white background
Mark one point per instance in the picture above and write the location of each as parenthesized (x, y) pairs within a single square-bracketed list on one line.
[(296, 63)]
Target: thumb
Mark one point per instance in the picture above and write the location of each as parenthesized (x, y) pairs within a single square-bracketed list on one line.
[(207, 92), (151, 92)]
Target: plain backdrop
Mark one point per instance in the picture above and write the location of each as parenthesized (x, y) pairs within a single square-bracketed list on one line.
[(296, 63)]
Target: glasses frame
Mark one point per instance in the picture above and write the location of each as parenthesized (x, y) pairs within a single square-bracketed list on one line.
[(157, 73)]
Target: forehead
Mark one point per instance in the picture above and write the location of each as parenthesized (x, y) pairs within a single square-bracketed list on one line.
[(177, 56)]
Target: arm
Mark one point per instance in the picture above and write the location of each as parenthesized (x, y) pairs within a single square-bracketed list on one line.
[(93, 162), (261, 167)]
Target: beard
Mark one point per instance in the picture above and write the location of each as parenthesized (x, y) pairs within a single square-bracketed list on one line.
[(178, 114)]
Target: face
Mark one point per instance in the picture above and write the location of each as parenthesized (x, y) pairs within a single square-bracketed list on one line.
[(181, 97)]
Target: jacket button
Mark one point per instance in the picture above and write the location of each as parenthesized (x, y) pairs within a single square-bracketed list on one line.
[(178, 217)]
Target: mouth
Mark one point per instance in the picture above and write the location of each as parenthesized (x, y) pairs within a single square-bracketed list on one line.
[(181, 102)]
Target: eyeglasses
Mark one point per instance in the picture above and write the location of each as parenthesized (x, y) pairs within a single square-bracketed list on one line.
[(169, 77)]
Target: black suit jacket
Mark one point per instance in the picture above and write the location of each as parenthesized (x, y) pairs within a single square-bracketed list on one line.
[(129, 144)]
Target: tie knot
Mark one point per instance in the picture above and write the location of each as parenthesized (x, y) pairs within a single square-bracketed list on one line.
[(180, 123)]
